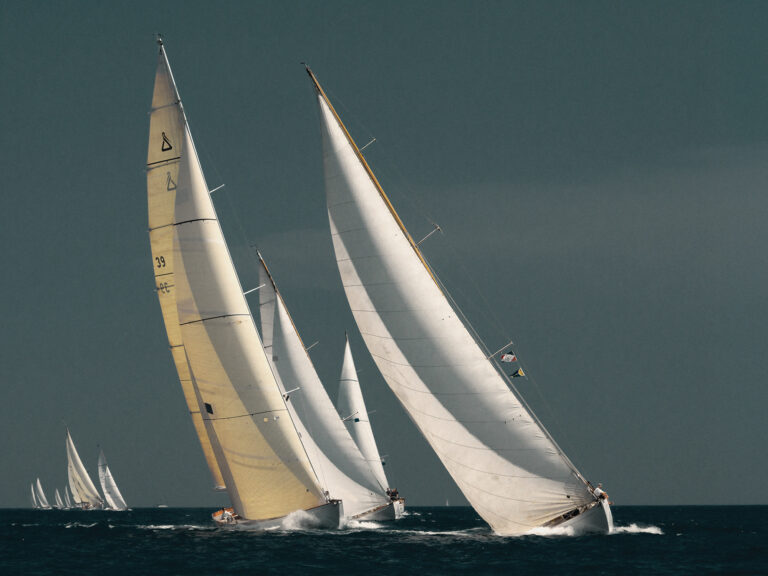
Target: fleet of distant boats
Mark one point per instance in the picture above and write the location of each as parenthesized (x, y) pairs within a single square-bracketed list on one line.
[(80, 492)]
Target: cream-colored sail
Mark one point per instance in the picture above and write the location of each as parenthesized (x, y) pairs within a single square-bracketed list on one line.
[(166, 146), (57, 498), (261, 458), (499, 455), (351, 406), (34, 497), (349, 478), (81, 485), (112, 495), (41, 499)]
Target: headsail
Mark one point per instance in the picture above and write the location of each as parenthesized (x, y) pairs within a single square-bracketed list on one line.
[(352, 408), (33, 497), (57, 498), (350, 478), (166, 142), (67, 499), (264, 465), (499, 455), (41, 499), (109, 487), (81, 485)]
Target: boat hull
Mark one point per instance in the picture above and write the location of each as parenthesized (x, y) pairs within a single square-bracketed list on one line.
[(597, 519), (391, 511), (327, 516)]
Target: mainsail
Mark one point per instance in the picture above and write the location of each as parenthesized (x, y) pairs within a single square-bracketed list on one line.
[(81, 485), (57, 498), (258, 450), (352, 409), (349, 477), (41, 499), (109, 487), (167, 126), (499, 455)]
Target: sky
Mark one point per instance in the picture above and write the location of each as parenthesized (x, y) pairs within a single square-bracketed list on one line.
[(597, 169)]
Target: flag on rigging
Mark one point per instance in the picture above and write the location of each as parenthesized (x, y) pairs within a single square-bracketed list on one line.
[(508, 357), (517, 373)]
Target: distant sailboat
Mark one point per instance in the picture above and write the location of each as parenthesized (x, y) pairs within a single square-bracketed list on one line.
[(335, 456), (83, 491), (67, 499), (59, 503), (351, 406), (225, 373), (35, 504), (112, 494), (498, 453), (42, 501)]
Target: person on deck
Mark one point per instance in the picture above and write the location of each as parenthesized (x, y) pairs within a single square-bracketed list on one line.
[(599, 493)]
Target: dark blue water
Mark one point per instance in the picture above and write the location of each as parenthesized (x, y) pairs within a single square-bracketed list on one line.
[(649, 540)]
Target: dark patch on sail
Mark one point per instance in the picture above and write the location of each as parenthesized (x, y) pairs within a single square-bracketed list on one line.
[(208, 408), (166, 144)]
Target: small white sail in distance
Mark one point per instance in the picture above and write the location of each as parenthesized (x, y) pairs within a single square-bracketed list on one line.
[(57, 499), (262, 460), (500, 456), (80, 483), (351, 406), (67, 499), (41, 499), (112, 495), (33, 497)]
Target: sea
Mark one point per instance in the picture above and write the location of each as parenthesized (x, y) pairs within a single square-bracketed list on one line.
[(446, 540)]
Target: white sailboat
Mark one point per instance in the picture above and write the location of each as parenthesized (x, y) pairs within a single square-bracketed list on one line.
[(498, 453), (57, 498), (114, 499), (35, 504), (253, 439), (351, 406), (83, 491), (67, 499), (42, 501), (337, 459)]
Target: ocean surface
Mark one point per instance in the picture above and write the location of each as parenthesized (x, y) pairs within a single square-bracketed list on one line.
[(445, 540)]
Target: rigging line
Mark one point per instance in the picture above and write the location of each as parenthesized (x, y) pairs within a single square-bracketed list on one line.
[(243, 415)]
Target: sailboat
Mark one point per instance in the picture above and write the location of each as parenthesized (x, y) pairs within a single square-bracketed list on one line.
[(33, 497), (337, 459), (83, 491), (351, 406), (42, 501), (502, 458), (109, 487), (59, 502), (67, 499), (225, 373)]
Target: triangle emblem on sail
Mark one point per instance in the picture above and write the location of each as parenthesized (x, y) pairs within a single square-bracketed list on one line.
[(166, 144), (170, 185)]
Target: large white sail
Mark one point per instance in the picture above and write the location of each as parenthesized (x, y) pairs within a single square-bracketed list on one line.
[(352, 409), (80, 483), (115, 500), (350, 478), (57, 499), (41, 499), (263, 463), (501, 458), (166, 139)]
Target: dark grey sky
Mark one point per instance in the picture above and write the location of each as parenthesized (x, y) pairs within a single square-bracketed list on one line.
[(598, 169)]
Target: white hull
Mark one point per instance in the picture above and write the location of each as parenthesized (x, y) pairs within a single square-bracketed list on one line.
[(596, 519), (327, 516), (392, 511)]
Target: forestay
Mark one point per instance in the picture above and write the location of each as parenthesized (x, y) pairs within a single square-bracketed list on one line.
[(503, 461)]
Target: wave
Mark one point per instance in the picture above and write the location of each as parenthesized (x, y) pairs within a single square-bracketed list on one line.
[(635, 529)]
